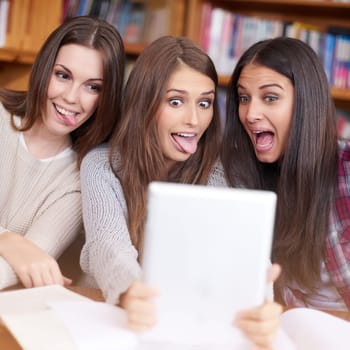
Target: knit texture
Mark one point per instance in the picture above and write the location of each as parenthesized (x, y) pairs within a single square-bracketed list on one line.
[(108, 257), (39, 200)]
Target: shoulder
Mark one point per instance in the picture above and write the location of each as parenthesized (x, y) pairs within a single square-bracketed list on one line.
[(4, 115), (98, 159), (96, 164), (217, 176), (344, 150)]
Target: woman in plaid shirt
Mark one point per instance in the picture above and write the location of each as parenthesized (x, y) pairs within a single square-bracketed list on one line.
[(281, 135)]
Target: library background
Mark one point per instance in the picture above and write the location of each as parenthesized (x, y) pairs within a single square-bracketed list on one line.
[(224, 29)]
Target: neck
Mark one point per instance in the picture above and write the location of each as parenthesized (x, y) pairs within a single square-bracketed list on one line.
[(43, 144)]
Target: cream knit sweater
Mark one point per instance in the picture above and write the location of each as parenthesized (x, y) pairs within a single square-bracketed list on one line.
[(39, 199), (108, 257)]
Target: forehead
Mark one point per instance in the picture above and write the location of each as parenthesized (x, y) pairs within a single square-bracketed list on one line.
[(81, 60), (187, 78), (258, 75)]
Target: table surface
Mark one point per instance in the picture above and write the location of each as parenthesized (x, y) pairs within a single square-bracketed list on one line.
[(7, 342)]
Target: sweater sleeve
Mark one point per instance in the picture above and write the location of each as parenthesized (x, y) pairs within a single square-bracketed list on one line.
[(108, 255), (53, 230)]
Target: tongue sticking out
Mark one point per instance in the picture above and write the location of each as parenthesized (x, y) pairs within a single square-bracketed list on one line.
[(187, 144), (70, 120)]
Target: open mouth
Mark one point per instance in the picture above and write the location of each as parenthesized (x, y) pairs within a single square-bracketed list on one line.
[(263, 140), (186, 142), (69, 117)]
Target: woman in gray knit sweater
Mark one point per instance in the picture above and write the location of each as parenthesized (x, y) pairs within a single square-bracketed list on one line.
[(71, 106), (169, 131)]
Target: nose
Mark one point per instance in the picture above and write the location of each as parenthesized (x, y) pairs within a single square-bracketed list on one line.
[(253, 112), (191, 117), (71, 93)]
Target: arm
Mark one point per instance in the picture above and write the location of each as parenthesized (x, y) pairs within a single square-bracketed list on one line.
[(31, 258), (108, 254)]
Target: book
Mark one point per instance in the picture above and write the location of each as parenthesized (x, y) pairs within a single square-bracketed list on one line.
[(4, 13), (55, 318)]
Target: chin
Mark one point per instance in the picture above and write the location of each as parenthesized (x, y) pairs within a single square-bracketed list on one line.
[(266, 158)]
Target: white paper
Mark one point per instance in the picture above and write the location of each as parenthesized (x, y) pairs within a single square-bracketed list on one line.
[(311, 329), (40, 330), (34, 299), (96, 325)]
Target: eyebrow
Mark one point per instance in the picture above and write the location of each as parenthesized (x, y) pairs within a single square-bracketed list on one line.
[(263, 86), (185, 92), (70, 72)]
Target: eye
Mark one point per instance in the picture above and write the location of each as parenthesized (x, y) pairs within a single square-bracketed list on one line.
[(270, 98), (175, 102), (61, 75), (94, 88), (243, 99), (205, 104)]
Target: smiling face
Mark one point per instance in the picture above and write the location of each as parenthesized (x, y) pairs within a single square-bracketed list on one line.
[(74, 88), (184, 113), (266, 101)]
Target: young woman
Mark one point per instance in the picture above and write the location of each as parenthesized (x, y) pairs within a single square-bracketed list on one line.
[(281, 135), (169, 131), (71, 105)]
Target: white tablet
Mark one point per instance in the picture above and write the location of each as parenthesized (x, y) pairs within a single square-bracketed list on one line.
[(207, 249)]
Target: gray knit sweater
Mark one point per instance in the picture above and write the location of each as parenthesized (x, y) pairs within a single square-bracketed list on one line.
[(39, 199), (108, 256)]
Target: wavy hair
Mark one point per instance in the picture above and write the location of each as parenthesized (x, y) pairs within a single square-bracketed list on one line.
[(136, 137), (305, 179), (92, 33)]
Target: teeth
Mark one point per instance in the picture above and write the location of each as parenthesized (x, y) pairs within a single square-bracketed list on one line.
[(184, 134), (64, 111)]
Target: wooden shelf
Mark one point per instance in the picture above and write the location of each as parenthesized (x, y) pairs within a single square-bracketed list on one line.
[(322, 14), (134, 49)]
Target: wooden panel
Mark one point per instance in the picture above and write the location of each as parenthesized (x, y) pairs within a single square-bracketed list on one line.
[(46, 16), (14, 75), (16, 23)]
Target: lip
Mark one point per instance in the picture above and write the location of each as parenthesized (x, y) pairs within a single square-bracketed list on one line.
[(64, 114), (64, 111), (183, 134)]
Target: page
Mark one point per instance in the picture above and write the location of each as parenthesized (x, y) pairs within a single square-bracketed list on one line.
[(96, 325), (313, 329), (34, 299), (40, 330)]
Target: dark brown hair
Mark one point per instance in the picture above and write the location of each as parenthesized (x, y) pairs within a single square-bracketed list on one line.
[(92, 33), (136, 135), (305, 178)]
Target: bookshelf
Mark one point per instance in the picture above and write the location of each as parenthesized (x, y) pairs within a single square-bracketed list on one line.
[(319, 14), (31, 21)]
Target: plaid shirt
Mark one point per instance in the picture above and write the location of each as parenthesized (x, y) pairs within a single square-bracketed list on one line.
[(337, 254), (337, 257)]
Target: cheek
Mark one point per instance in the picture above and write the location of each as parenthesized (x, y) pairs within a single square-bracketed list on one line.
[(53, 89), (241, 113), (90, 104), (207, 119)]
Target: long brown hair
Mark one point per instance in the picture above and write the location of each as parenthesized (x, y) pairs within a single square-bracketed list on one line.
[(136, 138), (306, 178), (92, 33)]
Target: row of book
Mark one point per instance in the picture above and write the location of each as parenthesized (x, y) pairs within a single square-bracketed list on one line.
[(4, 10), (135, 20), (343, 123), (226, 35)]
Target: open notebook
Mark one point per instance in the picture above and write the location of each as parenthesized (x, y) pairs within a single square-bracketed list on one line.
[(207, 249), (53, 318)]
